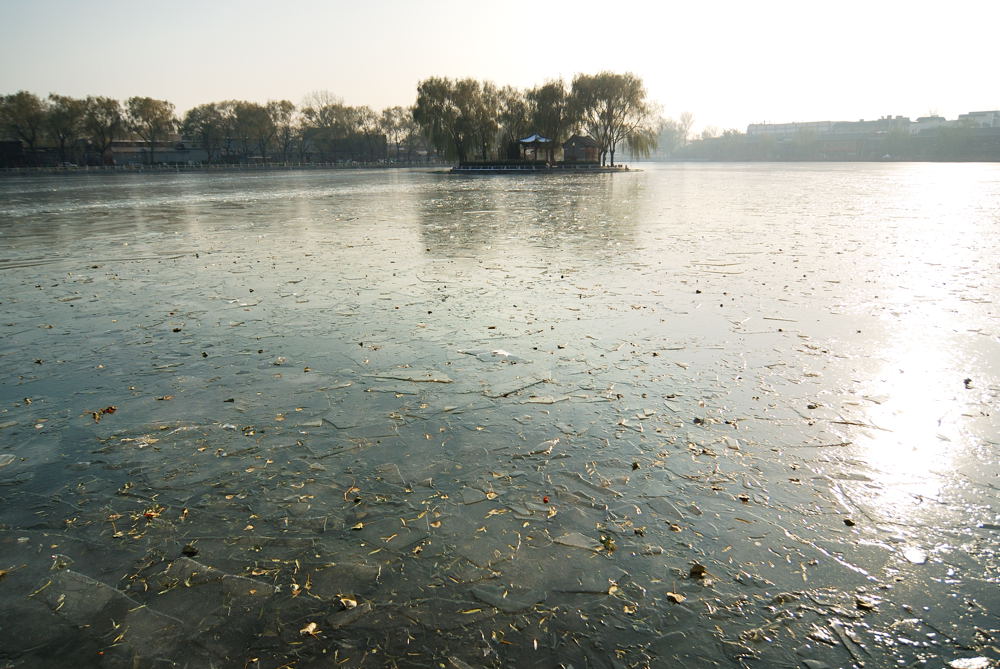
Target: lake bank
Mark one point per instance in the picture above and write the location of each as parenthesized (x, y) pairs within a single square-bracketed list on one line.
[(208, 168)]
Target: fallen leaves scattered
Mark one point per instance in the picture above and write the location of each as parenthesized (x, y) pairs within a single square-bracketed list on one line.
[(865, 603), (697, 571), (100, 413)]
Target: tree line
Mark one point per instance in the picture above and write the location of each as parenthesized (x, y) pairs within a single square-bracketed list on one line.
[(459, 119), (322, 128)]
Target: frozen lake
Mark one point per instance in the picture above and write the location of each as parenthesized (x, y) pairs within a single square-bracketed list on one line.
[(714, 415)]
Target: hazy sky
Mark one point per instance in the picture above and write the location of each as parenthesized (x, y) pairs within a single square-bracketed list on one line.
[(729, 63)]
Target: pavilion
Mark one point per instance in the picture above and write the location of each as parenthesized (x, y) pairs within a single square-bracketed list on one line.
[(535, 142)]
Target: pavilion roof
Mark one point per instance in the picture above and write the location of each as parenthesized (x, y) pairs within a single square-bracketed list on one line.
[(535, 139)]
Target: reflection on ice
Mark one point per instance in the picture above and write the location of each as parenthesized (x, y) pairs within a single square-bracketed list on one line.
[(916, 424)]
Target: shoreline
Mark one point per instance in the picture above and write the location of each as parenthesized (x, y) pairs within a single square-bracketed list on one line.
[(500, 169), (173, 169)]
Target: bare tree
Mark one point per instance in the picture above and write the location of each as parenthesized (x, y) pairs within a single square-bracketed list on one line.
[(282, 113), (369, 125), (710, 132), (396, 123), (684, 123), (326, 122)]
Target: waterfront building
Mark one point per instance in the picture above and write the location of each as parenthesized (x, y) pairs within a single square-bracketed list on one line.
[(581, 148)]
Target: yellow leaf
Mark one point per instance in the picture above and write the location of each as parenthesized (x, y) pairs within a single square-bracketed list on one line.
[(675, 597), (467, 612), (359, 526), (309, 630)]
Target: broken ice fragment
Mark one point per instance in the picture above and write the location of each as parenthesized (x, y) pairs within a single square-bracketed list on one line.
[(544, 448), (414, 376), (577, 540), (971, 663)]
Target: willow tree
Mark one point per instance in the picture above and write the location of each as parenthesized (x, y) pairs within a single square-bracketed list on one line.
[(151, 119), (552, 112), (458, 116), (514, 117), (613, 108)]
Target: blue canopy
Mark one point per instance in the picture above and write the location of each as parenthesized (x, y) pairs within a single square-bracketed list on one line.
[(534, 139)]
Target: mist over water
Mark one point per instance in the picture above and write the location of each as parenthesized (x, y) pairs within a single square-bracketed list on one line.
[(720, 415)]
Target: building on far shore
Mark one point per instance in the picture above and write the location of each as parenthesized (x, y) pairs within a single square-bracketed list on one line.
[(789, 130), (980, 119), (174, 150), (886, 124), (581, 148)]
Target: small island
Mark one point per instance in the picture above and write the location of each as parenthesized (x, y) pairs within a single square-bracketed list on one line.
[(486, 128), (579, 153)]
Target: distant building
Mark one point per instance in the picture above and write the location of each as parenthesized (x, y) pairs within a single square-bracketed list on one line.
[(12, 153), (980, 119), (793, 130), (581, 148), (882, 125), (788, 129), (174, 150), (925, 123)]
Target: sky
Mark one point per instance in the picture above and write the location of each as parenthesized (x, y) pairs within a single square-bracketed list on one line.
[(729, 63)]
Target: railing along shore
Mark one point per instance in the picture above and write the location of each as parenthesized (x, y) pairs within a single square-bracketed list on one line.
[(213, 167)]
